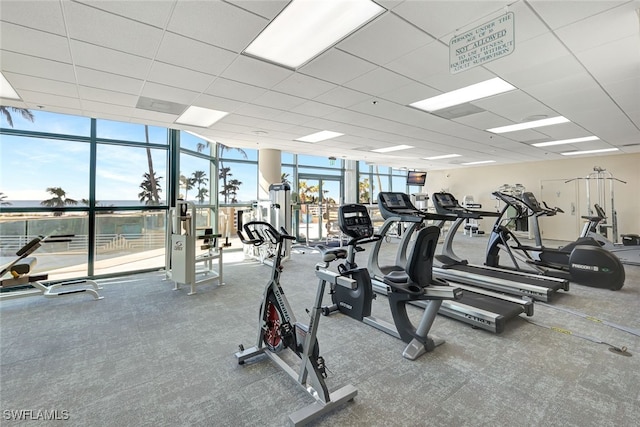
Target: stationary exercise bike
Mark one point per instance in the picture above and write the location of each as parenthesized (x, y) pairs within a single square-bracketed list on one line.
[(583, 261), (278, 329), (19, 275), (413, 283), (628, 251)]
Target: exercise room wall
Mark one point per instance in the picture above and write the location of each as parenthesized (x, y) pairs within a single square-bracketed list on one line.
[(480, 182)]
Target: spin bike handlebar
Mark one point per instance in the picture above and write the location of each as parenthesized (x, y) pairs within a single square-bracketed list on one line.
[(259, 231)]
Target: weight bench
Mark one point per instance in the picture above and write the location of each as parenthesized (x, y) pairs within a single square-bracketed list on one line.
[(17, 274)]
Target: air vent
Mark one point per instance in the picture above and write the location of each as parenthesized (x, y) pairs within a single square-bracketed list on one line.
[(457, 111), (160, 106)]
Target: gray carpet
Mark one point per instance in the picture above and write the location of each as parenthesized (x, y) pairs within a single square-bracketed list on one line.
[(146, 355)]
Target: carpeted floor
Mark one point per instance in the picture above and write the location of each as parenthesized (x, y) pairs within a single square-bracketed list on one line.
[(146, 355)]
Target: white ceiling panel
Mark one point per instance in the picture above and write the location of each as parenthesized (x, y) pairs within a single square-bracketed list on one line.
[(202, 56), (189, 52), (226, 88), (184, 78), (105, 29), (37, 84), (372, 43), (108, 81), (109, 60), (217, 23), (27, 41), (37, 67), (42, 15), (153, 12), (336, 66)]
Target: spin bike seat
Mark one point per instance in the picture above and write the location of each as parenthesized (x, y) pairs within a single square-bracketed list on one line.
[(331, 254)]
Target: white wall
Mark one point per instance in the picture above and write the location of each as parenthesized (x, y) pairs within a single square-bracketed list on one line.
[(480, 181)]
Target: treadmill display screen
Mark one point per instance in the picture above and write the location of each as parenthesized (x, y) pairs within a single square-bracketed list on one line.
[(445, 200), (394, 200)]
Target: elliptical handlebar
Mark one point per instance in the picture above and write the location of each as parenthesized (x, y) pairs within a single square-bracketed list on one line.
[(258, 232)]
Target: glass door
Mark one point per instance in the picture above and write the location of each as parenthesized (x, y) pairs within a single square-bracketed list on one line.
[(317, 218)]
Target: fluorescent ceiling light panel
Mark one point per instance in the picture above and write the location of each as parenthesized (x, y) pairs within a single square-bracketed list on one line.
[(6, 90), (603, 150), (306, 28), (198, 116), (565, 141), (319, 136), (478, 163), (530, 125), (445, 156), (394, 148), (465, 94)]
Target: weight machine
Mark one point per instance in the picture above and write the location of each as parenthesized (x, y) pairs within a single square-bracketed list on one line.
[(19, 272), (184, 267), (596, 187)]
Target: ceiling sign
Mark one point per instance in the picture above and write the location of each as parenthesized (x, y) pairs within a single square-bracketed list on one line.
[(485, 43)]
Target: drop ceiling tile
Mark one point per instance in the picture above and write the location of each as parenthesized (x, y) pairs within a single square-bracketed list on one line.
[(372, 42), (377, 82), (336, 66), (105, 29), (37, 67), (253, 110), (614, 24), (171, 75), (303, 86), (217, 103), (217, 23), (560, 14), (460, 15), (107, 96), (624, 53), (314, 109), (102, 107), (277, 100), (267, 9), (230, 89), (35, 43), (41, 15), (255, 72), (108, 81), (196, 55), (109, 60), (37, 84), (421, 64), (153, 12), (49, 100), (168, 93)]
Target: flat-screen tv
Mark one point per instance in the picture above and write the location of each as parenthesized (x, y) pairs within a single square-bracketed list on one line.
[(416, 178)]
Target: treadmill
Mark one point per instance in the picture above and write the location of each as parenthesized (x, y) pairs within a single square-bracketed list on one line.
[(480, 308), (538, 287)]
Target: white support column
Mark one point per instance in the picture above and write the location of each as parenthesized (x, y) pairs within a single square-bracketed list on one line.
[(269, 170)]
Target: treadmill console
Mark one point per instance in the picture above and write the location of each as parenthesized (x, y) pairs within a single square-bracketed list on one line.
[(530, 200), (354, 221), (445, 200)]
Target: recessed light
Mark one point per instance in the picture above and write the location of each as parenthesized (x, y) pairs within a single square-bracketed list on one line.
[(530, 125), (565, 141), (198, 116), (304, 29), (6, 90), (319, 136), (466, 94), (394, 148), (444, 156), (478, 163), (602, 150)]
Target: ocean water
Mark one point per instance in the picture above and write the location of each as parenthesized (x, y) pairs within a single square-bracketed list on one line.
[(105, 203)]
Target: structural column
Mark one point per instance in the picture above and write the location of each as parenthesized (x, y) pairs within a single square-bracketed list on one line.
[(269, 170)]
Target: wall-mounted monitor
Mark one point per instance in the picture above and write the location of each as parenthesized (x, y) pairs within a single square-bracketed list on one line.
[(416, 178)]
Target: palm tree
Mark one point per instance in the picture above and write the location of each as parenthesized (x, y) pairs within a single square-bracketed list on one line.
[(223, 172), (2, 201), (153, 184), (187, 183), (363, 190), (231, 189), (59, 200), (150, 189), (25, 113), (200, 179)]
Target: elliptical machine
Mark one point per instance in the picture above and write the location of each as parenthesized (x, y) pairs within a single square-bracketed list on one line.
[(411, 284), (278, 329), (583, 261)]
